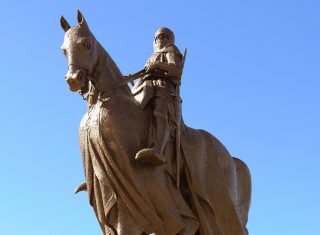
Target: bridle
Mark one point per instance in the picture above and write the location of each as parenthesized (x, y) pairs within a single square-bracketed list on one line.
[(89, 90), (89, 83)]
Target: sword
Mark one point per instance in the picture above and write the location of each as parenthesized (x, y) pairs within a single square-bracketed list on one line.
[(132, 77), (178, 128)]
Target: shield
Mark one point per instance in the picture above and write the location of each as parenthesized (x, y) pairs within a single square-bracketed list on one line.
[(143, 91)]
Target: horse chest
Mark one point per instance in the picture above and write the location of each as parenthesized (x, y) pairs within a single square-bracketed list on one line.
[(94, 121)]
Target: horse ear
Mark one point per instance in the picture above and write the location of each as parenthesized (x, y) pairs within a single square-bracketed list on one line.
[(64, 24), (81, 20)]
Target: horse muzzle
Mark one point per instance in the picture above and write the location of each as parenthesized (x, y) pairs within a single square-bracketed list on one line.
[(76, 80)]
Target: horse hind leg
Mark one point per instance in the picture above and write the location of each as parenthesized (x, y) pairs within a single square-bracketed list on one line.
[(243, 191)]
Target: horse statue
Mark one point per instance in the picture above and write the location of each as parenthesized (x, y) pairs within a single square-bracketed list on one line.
[(133, 198)]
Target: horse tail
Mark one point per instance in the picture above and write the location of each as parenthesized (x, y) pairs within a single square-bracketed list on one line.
[(244, 188)]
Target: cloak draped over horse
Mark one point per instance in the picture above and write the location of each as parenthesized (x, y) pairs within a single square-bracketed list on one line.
[(130, 197)]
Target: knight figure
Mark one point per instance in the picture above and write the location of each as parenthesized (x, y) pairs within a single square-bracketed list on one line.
[(159, 87)]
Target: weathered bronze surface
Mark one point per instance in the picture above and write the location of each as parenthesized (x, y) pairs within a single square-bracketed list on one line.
[(145, 170)]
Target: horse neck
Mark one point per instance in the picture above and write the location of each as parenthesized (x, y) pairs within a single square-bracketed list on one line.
[(108, 76)]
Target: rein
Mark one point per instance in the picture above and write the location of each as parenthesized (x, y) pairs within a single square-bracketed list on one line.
[(90, 88)]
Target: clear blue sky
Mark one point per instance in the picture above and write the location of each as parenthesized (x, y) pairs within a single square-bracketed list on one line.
[(251, 78)]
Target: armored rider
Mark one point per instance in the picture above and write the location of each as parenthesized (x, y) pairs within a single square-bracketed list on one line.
[(159, 89)]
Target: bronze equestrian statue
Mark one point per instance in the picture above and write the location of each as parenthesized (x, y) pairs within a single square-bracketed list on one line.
[(145, 170)]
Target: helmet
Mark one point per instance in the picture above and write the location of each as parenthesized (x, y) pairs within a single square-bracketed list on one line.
[(166, 31)]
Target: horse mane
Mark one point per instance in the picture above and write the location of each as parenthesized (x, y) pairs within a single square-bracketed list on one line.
[(106, 62)]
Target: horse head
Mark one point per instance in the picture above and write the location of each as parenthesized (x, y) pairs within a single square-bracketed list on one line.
[(81, 51)]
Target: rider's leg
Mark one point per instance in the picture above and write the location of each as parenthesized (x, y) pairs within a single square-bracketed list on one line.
[(162, 132), (161, 127)]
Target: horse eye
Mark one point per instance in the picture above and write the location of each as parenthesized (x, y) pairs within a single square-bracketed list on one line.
[(86, 45)]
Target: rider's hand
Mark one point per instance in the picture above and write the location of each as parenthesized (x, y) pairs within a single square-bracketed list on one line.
[(150, 66)]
